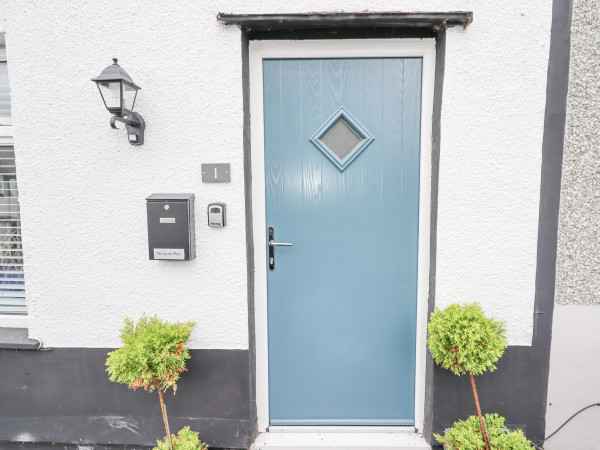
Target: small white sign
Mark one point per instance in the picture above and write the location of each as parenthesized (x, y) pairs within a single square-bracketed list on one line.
[(167, 220), (169, 253)]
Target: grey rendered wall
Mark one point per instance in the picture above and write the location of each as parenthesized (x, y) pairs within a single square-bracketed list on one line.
[(578, 265), (575, 359)]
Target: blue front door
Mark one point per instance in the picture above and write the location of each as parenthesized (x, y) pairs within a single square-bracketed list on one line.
[(342, 145)]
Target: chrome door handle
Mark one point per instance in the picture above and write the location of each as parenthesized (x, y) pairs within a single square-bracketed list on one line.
[(280, 244), (272, 244)]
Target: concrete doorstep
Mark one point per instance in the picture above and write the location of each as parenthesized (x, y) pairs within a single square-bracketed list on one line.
[(351, 440)]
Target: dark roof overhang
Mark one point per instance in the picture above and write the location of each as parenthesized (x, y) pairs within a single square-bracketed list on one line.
[(421, 20)]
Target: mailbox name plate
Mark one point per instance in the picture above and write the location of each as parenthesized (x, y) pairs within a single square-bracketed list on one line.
[(169, 253)]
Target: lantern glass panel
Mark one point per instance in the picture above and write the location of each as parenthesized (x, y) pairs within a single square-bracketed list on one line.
[(111, 93), (129, 94)]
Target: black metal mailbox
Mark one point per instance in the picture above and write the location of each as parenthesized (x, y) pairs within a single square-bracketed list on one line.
[(171, 234)]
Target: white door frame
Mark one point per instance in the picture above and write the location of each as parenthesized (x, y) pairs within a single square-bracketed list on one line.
[(348, 48)]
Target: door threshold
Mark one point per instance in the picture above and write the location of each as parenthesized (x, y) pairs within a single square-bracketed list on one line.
[(341, 429), (348, 440)]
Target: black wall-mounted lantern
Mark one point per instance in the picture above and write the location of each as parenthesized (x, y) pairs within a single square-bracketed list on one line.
[(119, 92)]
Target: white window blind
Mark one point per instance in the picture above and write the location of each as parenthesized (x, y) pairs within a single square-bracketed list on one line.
[(12, 276), (5, 116)]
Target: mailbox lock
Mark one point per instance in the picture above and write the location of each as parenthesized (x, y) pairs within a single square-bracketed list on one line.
[(167, 207)]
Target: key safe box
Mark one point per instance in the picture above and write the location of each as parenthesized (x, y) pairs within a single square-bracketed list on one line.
[(171, 226)]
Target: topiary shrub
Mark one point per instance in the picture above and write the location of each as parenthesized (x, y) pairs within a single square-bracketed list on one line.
[(466, 435), (186, 439), (153, 356), (462, 340)]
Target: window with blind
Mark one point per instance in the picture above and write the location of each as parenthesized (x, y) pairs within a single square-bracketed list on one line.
[(12, 276)]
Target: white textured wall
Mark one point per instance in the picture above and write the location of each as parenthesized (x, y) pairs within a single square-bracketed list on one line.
[(492, 128), (82, 186)]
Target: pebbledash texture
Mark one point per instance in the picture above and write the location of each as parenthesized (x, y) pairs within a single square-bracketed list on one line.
[(575, 338), (578, 265)]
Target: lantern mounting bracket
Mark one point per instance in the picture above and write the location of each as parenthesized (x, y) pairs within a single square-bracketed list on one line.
[(135, 125)]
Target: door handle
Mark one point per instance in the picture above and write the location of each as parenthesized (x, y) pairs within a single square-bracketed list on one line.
[(272, 244), (280, 244)]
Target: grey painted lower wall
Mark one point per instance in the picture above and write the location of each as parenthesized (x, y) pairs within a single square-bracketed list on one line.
[(55, 446), (513, 391), (64, 395), (573, 384)]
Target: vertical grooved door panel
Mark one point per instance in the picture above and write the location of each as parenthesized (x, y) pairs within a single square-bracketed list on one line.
[(342, 300)]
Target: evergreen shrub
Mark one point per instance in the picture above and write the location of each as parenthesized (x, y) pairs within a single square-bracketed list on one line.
[(153, 354), (466, 435), (186, 439), (462, 339)]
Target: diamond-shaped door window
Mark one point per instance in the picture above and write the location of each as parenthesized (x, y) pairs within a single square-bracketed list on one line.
[(341, 139)]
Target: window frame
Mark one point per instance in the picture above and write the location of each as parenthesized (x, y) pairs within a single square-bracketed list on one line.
[(7, 140), (11, 320)]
